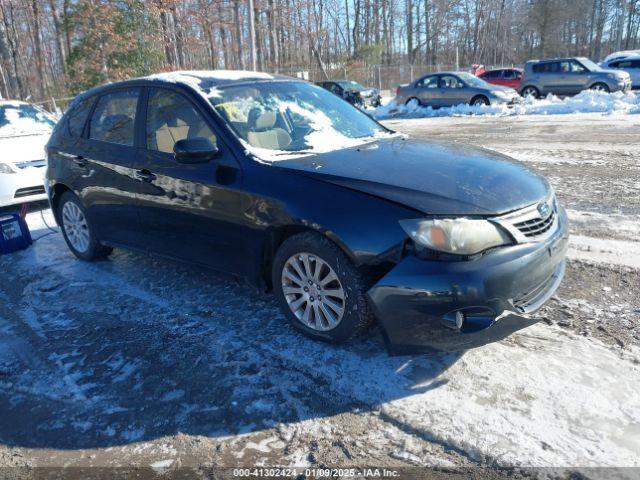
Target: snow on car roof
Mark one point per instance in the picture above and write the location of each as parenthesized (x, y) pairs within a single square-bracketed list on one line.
[(208, 80)]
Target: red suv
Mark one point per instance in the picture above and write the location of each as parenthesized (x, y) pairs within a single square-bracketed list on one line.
[(507, 77)]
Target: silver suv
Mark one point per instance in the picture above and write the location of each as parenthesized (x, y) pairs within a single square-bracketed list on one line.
[(569, 76)]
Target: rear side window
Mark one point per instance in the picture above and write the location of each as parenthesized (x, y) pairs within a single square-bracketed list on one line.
[(172, 117), (548, 67), (626, 64), (114, 118), (492, 74), (77, 117)]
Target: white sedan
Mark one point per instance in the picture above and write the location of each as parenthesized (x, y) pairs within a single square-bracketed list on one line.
[(24, 131)]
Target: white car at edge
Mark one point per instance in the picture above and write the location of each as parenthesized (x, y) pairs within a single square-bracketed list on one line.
[(24, 131)]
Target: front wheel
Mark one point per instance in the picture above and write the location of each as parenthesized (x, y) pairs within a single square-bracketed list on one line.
[(319, 289), (479, 101), (600, 87), (77, 231)]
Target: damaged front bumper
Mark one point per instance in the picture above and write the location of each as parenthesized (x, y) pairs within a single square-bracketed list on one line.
[(426, 305)]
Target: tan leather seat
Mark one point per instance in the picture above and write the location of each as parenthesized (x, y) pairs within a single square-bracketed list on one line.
[(166, 136), (264, 134)]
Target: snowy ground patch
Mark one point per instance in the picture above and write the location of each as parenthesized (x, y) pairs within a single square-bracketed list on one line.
[(587, 101)]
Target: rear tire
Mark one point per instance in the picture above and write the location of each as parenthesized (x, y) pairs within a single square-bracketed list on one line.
[(319, 289), (530, 91), (414, 101), (77, 231), (600, 87)]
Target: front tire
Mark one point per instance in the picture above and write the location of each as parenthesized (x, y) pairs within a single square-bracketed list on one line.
[(319, 289), (77, 231), (600, 87), (480, 100)]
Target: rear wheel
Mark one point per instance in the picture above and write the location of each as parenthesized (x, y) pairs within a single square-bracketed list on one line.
[(319, 289), (412, 102), (77, 231), (479, 100), (530, 92), (600, 87)]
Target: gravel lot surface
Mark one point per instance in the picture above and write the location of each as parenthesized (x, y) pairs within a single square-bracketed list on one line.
[(140, 362)]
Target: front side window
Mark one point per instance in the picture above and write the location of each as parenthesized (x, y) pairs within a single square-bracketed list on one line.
[(576, 67), (114, 118), (172, 117), (292, 117)]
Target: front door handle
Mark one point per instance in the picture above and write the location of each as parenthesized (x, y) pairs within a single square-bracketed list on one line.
[(145, 175)]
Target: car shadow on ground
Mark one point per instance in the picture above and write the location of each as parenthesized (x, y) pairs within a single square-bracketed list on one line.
[(135, 348)]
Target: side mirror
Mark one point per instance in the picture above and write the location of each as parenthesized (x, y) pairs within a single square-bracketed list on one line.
[(195, 150)]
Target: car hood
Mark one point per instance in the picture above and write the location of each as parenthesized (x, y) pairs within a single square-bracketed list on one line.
[(23, 148), (432, 177)]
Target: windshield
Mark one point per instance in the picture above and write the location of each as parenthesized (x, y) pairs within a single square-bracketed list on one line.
[(293, 117), (472, 80), (350, 85), (592, 66), (23, 119)]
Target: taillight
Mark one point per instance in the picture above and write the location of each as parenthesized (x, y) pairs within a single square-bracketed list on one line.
[(397, 91)]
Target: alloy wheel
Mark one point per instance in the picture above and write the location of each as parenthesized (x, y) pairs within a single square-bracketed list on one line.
[(313, 291), (75, 227)]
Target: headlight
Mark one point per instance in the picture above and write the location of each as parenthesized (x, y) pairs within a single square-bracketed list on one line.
[(4, 168), (460, 236)]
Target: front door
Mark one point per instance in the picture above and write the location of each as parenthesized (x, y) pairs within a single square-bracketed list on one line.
[(103, 160), (188, 211), (452, 91)]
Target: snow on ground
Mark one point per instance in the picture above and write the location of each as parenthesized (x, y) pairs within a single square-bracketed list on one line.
[(529, 400), (586, 102)]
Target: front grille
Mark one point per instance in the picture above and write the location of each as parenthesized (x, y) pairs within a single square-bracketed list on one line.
[(537, 226), (27, 192), (533, 223)]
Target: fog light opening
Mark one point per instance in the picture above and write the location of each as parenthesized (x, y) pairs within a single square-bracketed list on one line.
[(459, 320)]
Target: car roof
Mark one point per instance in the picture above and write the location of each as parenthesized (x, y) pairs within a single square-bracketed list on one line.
[(202, 80), (633, 56), (12, 103), (502, 68), (558, 59)]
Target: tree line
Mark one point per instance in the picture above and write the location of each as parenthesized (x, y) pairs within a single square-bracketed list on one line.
[(55, 48)]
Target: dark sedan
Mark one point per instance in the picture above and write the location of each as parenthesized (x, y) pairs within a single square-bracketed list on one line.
[(353, 92), (282, 183)]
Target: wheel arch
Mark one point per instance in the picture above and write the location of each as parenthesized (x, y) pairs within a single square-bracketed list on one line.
[(277, 235), (55, 195), (477, 96)]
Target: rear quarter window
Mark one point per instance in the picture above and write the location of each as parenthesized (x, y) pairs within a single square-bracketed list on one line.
[(77, 116)]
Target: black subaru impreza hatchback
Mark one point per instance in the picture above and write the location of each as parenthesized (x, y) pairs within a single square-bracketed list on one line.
[(278, 181)]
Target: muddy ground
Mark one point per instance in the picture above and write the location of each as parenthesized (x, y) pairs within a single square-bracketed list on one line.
[(140, 362)]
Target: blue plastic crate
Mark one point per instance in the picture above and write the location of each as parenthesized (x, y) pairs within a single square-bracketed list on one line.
[(14, 233)]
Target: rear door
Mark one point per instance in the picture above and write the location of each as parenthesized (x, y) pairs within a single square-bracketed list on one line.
[(190, 212), (427, 91), (103, 163)]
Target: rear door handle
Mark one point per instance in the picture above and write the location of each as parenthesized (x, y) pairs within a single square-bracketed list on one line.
[(145, 175)]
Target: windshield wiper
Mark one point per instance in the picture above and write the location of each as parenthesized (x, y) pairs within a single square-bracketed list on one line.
[(294, 152)]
